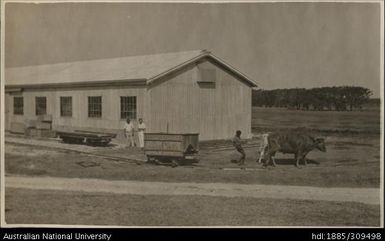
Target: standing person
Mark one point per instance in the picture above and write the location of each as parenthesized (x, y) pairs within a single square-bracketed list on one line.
[(141, 129), (237, 143), (129, 132)]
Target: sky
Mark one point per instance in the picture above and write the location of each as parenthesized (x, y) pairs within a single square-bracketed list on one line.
[(279, 45)]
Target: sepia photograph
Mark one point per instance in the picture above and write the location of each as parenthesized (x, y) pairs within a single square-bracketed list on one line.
[(191, 114)]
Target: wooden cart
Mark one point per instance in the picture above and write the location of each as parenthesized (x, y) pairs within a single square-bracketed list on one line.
[(175, 149), (86, 137)]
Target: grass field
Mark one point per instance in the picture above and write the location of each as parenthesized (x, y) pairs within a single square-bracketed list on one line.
[(272, 119), (63, 207)]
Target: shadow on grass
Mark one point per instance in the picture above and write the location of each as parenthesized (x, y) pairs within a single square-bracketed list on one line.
[(172, 162), (291, 161), (88, 144)]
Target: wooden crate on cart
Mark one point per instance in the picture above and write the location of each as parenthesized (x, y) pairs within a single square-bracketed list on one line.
[(177, 148)]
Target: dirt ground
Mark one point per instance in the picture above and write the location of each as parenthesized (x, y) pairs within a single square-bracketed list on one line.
[(360, 195), (350, 161), (153, 210)]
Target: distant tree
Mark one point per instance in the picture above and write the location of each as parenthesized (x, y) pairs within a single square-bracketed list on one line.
[(306, 99), (339, 98), (319, 99), (258, 97), (356, 96)]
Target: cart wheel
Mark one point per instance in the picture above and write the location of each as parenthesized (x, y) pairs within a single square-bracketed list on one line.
[(153, 160), (157, 162), (150, 159), (174, 163)]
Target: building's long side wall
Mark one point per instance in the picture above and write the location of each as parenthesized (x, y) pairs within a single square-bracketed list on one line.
[(110, 119), (180, 104)]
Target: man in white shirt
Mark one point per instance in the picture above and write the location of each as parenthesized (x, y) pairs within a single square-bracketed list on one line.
[(141, 129), (129, 132)]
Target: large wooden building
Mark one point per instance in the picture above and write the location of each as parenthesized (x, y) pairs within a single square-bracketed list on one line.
[(182, 92)]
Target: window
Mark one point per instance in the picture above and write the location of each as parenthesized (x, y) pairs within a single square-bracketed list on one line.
[(18, 105), (66, 106), (94, 106), (128, 107), (207, 75), (41, 105)]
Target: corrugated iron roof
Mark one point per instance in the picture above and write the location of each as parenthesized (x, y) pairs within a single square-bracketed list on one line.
[(146, 67)]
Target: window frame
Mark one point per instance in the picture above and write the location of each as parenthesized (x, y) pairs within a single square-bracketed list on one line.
[(126, 104), (18, 110), (66, 111), (204, 74), (92, 111), (39, 108)]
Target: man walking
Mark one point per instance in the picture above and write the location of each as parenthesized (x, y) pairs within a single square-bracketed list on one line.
[(141, 129), (129, 132), (237, 143)]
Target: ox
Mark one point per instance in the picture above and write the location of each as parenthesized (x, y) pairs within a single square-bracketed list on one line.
[(298, 144)]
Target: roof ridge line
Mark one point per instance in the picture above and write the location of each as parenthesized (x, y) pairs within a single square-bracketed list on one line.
[(108, 58), (202, 54), (232, 68)]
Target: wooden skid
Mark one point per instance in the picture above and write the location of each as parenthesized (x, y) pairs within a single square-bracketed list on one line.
[(97, 139)]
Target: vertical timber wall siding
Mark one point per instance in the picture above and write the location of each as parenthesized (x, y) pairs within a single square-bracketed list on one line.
[(110, 107), (186, 106)]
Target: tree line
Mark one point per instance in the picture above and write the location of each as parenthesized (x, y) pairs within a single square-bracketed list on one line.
[(339, 98)]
